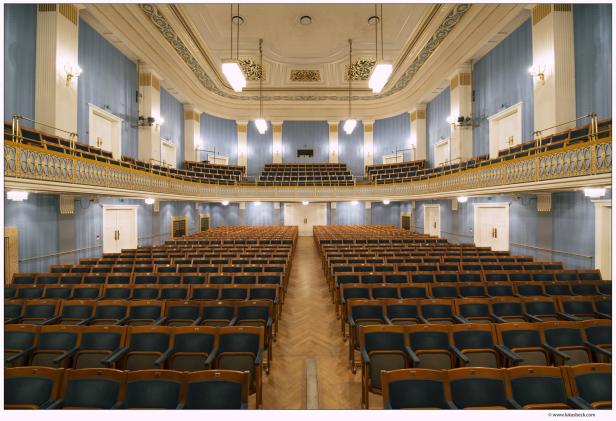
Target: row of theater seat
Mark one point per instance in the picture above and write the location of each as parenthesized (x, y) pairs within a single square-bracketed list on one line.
[(410, 171), (584, 386), (305, 175), (442, 347), (55, 388)]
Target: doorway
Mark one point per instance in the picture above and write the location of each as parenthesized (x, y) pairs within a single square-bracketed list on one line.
[(305, 216), (432, 220), (603, 237), (491, 227), (119, 228), (105, 130)]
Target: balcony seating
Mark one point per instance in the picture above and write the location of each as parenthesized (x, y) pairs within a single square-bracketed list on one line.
[(305, 175)]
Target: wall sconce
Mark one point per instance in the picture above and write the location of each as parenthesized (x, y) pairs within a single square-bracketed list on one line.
[(460, 121), (538, 72), (71, 72), (149, 121)]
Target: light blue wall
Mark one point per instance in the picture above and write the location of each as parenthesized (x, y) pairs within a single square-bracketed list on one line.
[(37, 225), (305, 135), (386, 214), (262, 214), (260, 149), (109, 81), (172, 111), (389, 134), (219, 134), (19, 60), (500, 80), (437, 112), (592, 29), (221, 216), (351, 148), (349, 214)]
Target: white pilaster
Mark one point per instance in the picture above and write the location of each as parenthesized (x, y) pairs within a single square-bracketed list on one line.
[(56, 53), (553, 55), (461, 140), (333, 141), (368, 142), (277, 142), (192, 133), (418, 131), (149, 135), (242, 143)]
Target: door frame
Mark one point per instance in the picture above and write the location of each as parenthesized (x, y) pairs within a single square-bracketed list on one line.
[(600, 234), (116, 122), (410, 216), (494, 122), (298, 205), (132, 208), (477, 206), (425, 217)]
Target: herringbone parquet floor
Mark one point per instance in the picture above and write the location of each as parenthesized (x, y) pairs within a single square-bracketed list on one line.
[(309, 329)]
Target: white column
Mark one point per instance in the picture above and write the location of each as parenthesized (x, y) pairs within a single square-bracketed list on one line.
[(418, 132), (192, 133), (277, 142), (242, 143), (333, 215), (461, 140), (553, 55), (242, 213), (56, 55), (333, 141), (368, 142), (368, 213), (149, 135)]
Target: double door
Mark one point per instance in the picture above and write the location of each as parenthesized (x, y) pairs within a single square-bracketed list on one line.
[(305, 216), (119, 228)]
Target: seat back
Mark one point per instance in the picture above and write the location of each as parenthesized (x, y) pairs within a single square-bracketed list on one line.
[(593, 383), (97, 343), (431, 344), (191, 347), (92, 388), (415, 389), (474, 388), (153, 389), (31, 387), (476, 341), (539, 387), (217, 389)]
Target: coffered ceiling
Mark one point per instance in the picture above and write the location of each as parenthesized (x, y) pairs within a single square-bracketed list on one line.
[(304, 65)]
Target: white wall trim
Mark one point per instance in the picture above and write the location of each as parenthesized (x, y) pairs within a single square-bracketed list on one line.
[(116, 141), (494, 121), (601, 235)]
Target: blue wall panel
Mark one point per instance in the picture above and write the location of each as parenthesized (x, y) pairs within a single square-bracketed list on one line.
[(37, 225), (351, 148), (389, 134), (437, 127), (349, 214), (262, 214), (500, 80), (305, 135), (260, 149), (19, 60), (224, 215), (574, 228), (172, 111), (386, 214), (592, 29), (219, 134), (109, 81)]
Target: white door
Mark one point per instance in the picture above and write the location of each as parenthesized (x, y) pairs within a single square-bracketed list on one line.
[(103, 133), (492, 226), (603, 237), (441, 152), (305, 217), (432, 220), (168, 153), (105, 130), (119, 228)]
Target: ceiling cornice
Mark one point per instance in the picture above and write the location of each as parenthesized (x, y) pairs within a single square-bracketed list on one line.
[(158, 19)]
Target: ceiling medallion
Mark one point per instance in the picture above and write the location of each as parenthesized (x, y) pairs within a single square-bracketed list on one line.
[(305, 76), (360, 69), (251, 69), (168, 32)]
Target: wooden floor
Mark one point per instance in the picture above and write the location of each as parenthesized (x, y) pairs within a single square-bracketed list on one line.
[(309, 329)]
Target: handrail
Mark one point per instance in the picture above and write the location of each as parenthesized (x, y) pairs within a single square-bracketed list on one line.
[(15, 129), (593, 127)]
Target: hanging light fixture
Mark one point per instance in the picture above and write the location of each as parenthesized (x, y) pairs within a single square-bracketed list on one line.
[(231, 68), (260, 122), (382, 71), (350, 124)]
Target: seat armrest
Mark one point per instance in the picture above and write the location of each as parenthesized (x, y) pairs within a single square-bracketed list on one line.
[(269, 322), (66, 355), (122, 321), (603, 315), (555, 352), (496, 318), (412, 355), (180, 405), (259, 356), (387, 405), (364, 356), (244, 406), (160, 321), (115, 356), (460, 355), (13, 320), (351, 321), (197, 322), (518, 295), (509, 354), (20, 354), (423, 320), (451, 405), (513, 404), (579, 403), (161, 360), (387, 320), (598, 349), (85, 322), (567, 316), (118, 405), (532, 318), (233, 321), (210, 358), (51, 321), (459, 319), (55, 404)]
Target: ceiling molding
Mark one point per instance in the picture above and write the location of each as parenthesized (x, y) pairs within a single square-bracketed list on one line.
[(169, 33)]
